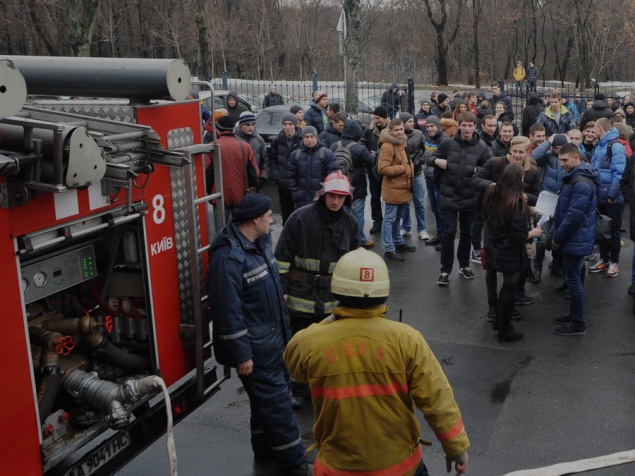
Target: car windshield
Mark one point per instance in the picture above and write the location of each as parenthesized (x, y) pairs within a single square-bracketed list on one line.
[(269, 118)]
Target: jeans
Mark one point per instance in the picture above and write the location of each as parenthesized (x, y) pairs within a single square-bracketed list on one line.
[(390, 226), (532, 85), (433, 196), (610, 250), (450, 219), (418, 194), (573, 269), (358, 212)]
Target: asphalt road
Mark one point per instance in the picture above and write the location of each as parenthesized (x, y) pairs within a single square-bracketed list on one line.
[(544, 400)]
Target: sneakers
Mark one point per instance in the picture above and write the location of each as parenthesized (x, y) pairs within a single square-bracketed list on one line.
[(434, 241), (403, 232), (523, 300), (437, 247), (536, 275), (599, 267), (590, 257), (466, 272), (405, 247), (444, 279), (476, 256), (631, 290), (423, 235), (516, 315), (571, 329), (368, 244), (612, 271), (562, 319), (376, 228), (393, 255)]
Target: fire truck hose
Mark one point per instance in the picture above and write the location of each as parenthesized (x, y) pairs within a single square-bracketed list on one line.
[(158, 381), (48, 390), (580, 466), (114, 355)]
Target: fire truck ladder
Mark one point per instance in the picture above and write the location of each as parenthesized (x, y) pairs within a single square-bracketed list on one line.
[(200, 330)]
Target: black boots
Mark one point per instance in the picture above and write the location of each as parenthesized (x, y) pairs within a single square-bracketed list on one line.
[(506, 301)]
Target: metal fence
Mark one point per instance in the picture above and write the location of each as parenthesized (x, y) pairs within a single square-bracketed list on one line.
[(300, 92)]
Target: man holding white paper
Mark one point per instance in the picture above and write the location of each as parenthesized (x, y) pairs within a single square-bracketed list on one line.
[(546, 157)]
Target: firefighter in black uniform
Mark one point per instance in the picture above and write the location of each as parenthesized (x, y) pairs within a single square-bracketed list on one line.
[(313, 239)]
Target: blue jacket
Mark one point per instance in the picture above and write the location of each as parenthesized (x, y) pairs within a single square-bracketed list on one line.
[(574, 217), (548, 161), (249, 315), (330, 136), (306, 172), (315, 117), (610, 171)]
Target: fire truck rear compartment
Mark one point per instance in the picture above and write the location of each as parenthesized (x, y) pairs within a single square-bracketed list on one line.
[(89, 332)]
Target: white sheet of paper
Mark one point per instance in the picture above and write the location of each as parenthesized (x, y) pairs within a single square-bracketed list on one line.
[(546, 203)]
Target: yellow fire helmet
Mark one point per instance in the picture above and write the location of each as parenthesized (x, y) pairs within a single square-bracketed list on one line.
[(362, 274)]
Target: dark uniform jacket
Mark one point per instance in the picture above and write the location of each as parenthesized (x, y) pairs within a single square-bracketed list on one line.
[(249, 315), (313, 240)]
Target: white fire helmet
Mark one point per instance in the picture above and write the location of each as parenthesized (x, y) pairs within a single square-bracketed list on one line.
[(361, 273), (338, 183)]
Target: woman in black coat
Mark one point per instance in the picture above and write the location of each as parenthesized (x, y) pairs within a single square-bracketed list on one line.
[(507, 218)]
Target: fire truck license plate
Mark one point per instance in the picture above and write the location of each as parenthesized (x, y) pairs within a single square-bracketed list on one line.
[(95, 460)]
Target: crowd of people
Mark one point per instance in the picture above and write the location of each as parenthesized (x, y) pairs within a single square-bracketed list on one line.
[(484, 175)]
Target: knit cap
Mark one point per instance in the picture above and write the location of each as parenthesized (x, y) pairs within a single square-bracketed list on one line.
[(225, 123), (288, 117), (246, 118), (434, 120), (310, 130), (381, 111), (559, 140), (295, 109), (405, 117), (251, 206), (442, 97)]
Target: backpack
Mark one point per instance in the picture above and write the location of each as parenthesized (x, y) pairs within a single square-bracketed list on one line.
[(344, 158), (609, 149)]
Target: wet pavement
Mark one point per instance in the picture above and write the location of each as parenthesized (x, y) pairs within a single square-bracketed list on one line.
[(544, 400)]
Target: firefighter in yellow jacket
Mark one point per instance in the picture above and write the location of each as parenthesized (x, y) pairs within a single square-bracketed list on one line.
[(367, 374)]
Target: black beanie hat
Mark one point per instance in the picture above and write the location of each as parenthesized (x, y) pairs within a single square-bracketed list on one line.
[(225, 123), (381, 112), (251, 206)]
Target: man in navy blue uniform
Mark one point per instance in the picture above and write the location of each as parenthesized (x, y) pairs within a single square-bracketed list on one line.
[(251, 329)]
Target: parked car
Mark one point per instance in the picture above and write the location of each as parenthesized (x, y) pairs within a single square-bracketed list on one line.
[(364, 105), (269, 121)]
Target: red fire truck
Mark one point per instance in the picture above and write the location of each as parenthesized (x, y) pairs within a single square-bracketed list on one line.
[(103, 233)]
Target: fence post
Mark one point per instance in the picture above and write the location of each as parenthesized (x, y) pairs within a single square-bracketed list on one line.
[(314, 78), (411, 95), (223, 76)]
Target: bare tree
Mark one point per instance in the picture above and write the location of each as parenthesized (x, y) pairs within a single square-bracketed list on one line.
[(443, 45)]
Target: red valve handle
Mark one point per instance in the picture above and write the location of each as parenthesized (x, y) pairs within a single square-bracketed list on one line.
[(64, 345), (108, 324)]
